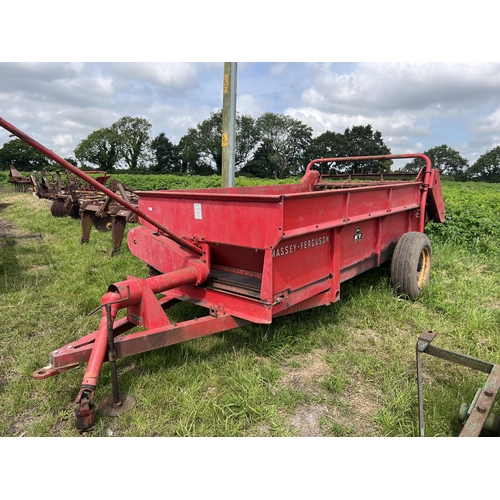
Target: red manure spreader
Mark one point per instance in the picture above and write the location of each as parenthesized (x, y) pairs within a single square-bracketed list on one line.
[(251, 254)]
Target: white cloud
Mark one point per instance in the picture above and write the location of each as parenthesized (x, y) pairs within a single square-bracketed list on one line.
[(429, 88), (489, 123), (255, 106), (63, 140), (175, 121), (277, 69), (17, 112), (485, 133), (8, 97), (179, 76), (101, 85), (72, 124), (390, 125)]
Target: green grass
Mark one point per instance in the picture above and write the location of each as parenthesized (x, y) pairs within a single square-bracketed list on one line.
[(343, 370)]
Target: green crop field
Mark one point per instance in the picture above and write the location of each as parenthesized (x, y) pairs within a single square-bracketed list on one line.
[(348, 369)]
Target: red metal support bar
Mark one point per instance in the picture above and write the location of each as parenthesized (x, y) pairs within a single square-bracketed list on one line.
[(73, 354), (428, 165), (50, 154), (425, 183)]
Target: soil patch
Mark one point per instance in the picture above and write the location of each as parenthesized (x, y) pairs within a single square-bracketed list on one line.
[(10, 233), (304, 372), (353, 410), (21, 422), (8, 230), (306, 419)]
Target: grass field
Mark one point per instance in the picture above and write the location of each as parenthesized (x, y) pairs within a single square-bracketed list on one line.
[(344, 370)]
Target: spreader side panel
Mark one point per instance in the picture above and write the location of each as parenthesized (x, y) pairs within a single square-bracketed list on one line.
[(239, 222), (300, 261)]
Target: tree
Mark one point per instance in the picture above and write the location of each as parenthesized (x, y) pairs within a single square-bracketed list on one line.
[(166, 154), (283, 141), (206, 140), (72, 160), (23, 156), (260, 166), (190, 156), (247, 139), (135, 141), (326, 145), (101, 148), (413, 167), (487, 167), (362, 141), (447, 160)]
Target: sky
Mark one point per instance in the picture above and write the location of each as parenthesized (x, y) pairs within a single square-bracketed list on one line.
[(416, 105)]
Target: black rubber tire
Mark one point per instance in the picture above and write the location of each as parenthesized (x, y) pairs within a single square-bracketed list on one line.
[(411, 264)]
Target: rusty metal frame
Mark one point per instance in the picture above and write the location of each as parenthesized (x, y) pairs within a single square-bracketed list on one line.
[(485, 397), (105, 213), (21, 183)]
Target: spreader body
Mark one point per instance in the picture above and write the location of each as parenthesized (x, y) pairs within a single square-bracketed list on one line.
[(281, 248)]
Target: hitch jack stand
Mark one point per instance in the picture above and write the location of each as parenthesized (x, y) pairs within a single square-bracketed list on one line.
[(479, 410), (114, 405), (118, 403)]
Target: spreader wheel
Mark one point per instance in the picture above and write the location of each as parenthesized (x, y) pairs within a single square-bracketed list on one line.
[(411, 264)]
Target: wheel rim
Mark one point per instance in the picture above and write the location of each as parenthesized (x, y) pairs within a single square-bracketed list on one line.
[(424, 267)]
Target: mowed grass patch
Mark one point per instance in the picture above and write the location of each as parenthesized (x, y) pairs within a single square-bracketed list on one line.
[(344, 370)]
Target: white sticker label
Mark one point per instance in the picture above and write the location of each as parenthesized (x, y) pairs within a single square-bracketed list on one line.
[(197, 211)]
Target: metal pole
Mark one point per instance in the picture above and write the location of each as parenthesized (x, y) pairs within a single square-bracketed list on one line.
[(228, 124), (112, 356), (232, 124)]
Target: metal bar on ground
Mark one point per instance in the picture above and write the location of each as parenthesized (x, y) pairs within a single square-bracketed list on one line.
[(485, 397), (483, 404)]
